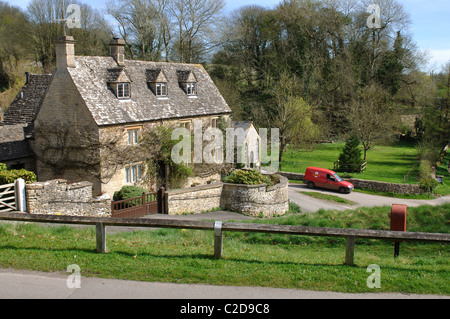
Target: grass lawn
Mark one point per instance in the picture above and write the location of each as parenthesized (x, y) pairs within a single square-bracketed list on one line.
[(184, 256), (328, 197), (385, 163), (442, 170)]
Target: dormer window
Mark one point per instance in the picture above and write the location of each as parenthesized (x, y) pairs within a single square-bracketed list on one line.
[(161, 89), (157, 82), (191, 89), (123, 90), (188, 82), (119, 83)]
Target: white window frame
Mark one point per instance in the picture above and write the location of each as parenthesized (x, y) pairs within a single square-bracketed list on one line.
[(133, 136), (133, 173), (123, 90), (161, 89), (191, 88)]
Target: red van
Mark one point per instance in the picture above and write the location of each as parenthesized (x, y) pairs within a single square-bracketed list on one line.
[(325, 178)]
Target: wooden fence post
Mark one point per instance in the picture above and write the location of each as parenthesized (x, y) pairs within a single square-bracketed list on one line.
[(101, 238), (161, 201), (350, 251), (218, 240)]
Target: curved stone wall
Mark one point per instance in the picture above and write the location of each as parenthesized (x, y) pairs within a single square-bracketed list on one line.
[(255, 200)]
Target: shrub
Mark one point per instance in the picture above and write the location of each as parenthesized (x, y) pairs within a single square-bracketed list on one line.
[(425, 169), (428, 184), (251, 177), (350, 159), (128, 192), (10, 176)]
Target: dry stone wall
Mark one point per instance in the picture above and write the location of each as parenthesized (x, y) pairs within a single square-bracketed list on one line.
[(194, 199), (252, 200), (371, 185), (256, 200), (57, 197)]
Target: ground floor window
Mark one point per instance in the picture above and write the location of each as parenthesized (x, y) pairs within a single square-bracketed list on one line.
[(133, 173)]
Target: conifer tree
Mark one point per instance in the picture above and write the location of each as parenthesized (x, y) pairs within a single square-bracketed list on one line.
[(350, 159)]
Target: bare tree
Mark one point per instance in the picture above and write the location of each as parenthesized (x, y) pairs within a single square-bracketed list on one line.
[(47, 22), (372, 116), (143, 25), (196, 21)]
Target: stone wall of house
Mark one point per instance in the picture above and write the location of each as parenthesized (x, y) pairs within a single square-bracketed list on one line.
[(194, 199), (113, 177), (371, 185), (255, 200), (62, 124), (57, 197)]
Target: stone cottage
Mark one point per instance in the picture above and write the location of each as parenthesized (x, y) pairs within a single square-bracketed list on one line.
[(93, 105)]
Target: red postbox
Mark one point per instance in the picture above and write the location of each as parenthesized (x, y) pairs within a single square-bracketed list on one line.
[(398, 217), (398, 223)]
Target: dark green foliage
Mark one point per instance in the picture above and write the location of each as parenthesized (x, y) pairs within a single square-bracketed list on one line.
[(251, 177), (157, 144), (428, 184), (128, 192), (10, 176), (350, 160)]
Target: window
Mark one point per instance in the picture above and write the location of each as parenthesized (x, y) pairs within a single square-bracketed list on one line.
[(161, 89), (215, 122), (191, 88), (186, 125), (133, 137), (123, 90), (133, 173)]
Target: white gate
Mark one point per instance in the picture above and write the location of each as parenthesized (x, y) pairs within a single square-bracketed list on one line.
[(12, 197)]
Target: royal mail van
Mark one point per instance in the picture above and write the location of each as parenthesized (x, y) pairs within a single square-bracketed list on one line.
[(325, 178)]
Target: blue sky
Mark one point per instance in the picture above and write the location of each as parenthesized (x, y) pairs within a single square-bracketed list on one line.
[(430, 23)]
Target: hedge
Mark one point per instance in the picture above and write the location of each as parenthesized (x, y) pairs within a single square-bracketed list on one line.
[(9, 176)]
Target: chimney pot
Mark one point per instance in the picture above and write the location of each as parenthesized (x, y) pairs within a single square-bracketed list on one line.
[(27, 77)]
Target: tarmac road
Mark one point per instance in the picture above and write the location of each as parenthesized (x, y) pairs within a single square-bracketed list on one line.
[(16, 284), (311, 205)]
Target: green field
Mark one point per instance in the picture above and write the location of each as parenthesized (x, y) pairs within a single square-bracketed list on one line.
[(301, 262), (385, 163)]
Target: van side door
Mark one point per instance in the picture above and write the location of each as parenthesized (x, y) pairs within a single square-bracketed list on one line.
[(332, 183)]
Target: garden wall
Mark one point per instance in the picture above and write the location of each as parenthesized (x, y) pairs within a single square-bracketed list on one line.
[(371, 185), (255, 200), (194, 199), (252, 200), (58, 197)]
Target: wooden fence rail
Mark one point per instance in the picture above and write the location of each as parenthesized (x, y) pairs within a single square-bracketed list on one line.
[(220, 227)]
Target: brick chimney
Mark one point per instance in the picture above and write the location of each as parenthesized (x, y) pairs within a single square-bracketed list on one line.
[(65, 52), (117, 47)]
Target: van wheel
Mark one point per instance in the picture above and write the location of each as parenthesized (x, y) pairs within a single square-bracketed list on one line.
[(311, 185), (342, 190)]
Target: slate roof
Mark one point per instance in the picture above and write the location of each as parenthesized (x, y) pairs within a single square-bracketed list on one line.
[(12, 143), (24, 106), (245, 125), (91, 76)]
